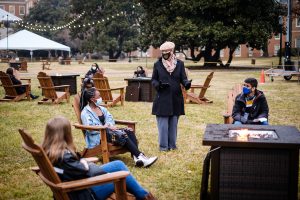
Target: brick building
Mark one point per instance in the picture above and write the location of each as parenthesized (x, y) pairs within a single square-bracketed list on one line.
[(19, 8)]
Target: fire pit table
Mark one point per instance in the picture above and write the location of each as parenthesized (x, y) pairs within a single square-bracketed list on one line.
[(251, 162)]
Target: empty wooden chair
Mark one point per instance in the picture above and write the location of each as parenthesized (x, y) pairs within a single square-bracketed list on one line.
[(46, 172), (199, 99), (105, 148), (49, 90), (10, 89), (109, 98), (46, 64)]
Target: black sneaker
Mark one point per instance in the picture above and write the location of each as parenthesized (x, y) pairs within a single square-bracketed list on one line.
[(138, 162)]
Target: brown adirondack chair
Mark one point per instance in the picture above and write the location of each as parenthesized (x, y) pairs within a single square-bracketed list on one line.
[(46, 172), (199, 99), (10, 89), (49, 90), (46, 64), (105, 148), (230, 99), (109, 98)]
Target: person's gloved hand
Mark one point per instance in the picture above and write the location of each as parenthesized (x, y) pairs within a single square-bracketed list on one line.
[(163, 85), (188, 84)]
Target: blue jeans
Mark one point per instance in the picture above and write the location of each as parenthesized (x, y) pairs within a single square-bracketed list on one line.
[(261, 123), (167, 132), (104, 191)]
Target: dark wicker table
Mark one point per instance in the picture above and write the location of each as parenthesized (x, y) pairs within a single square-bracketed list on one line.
[(66, 79), (144, 86), (252, 166)]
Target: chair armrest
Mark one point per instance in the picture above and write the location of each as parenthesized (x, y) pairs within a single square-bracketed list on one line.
[(61, 86), (226, 115), (123, 122), (92, 159), (118, 88), (87, 182), (199, 86), (90, 128), (26, 79)]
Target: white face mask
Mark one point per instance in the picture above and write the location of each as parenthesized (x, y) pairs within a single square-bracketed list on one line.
[(94, 68), (98, 102)]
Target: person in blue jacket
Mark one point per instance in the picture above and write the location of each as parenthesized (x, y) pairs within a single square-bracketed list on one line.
[(167, 77), (93, 114)]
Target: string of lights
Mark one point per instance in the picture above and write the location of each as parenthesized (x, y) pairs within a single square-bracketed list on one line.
[(69, 25)]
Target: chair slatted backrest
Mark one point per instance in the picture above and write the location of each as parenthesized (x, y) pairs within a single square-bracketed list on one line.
[(47, 172), (236, 90), (47, 85), (76, 107), (102, 84), (7, 84), (206, 85)]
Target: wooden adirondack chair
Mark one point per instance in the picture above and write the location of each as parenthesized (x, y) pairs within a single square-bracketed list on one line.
[(49, 90), (46, 64), (10, 89), (230, 99), (199, 99), (102, 84), (105, 149), (60, 189)]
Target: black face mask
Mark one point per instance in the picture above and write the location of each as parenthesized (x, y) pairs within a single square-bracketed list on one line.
[(166, 56)]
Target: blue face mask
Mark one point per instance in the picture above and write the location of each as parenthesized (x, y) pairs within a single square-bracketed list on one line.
[(246, 90)]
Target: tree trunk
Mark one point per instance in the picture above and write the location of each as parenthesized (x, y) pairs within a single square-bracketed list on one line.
[(231, 51)]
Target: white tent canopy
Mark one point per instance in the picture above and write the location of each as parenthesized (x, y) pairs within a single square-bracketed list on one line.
[(26, 40), (6, 16)]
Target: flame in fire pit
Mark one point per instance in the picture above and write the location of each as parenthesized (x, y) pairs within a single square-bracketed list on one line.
[(246, 134)]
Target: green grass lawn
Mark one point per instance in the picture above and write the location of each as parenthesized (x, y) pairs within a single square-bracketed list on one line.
[(176, 174)]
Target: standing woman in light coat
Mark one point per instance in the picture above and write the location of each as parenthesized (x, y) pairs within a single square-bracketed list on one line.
[(168, 74)]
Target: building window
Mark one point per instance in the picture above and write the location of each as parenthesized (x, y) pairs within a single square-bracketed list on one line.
[(22, 10), (237, 51), (297, 45), (2, 7), (298, 21), (276, 49), (11, 10), (277, 37), (250, 51)]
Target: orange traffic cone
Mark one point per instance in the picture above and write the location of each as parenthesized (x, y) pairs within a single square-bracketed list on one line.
[(262, 77)]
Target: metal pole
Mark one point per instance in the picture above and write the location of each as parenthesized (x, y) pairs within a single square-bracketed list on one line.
[(289, 35), (280, 41), (7, 35)]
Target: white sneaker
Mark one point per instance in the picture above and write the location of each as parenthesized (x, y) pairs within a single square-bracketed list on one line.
[(147, 161), (138, 162)]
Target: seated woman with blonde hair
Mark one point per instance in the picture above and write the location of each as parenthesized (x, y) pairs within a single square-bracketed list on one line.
[(59, 146)]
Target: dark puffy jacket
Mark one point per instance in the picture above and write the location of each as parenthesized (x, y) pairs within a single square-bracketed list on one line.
[(259, 108), (70, 168), (169, 100)]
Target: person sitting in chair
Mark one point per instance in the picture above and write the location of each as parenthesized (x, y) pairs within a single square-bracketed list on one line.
[(140, 72), (251, 105), (59, 146), (21, 89), (94, 69), (93, 114)]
